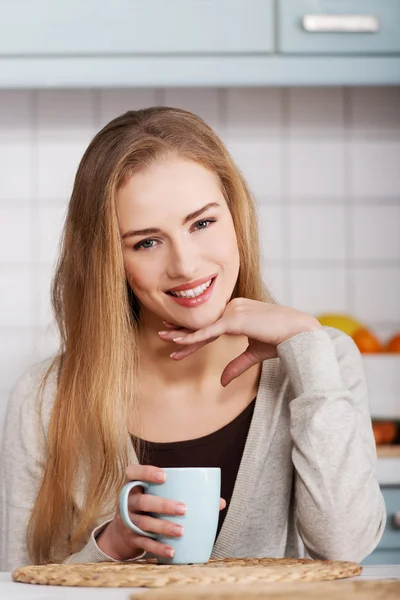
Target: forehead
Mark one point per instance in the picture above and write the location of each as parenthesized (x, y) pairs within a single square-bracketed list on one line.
[(177, 185)]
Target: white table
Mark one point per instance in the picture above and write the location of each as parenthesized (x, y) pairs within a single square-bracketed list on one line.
[(9, 590)]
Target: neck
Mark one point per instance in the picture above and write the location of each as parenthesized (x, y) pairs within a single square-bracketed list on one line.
[(200, 370)]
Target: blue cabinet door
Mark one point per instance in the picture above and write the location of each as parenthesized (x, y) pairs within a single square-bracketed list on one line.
[(144, 27), (391, 535), (388, 549), (383, 557), (339, 26)]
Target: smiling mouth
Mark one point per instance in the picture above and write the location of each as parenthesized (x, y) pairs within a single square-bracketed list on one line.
[(194, 292)]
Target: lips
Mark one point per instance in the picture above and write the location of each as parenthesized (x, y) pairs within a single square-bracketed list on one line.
[(192, 284), (191, 301)]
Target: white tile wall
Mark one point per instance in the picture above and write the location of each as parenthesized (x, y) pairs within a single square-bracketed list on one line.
[(15, 172), (253, 113), (324, 165), (319, 113), (376, 111), (316, 168), (317, 232), (114, 102), (375, 171), (319, 289), (260, 162)]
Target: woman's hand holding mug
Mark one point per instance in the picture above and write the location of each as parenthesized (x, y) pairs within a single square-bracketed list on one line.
[(120, 542)]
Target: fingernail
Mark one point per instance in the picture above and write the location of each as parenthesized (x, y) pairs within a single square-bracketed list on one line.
[(163, 332), (177, 339), (160, 476), (177, 529), (173, 354), (180, 509), (169, 552)]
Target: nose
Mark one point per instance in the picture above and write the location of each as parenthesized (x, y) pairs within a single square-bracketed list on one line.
[(182, 260)]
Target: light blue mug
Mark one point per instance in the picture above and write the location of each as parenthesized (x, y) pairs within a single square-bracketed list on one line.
[(199, 488)]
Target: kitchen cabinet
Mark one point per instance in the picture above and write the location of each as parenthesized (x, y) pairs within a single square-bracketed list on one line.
[(131, 27), (154, 43), (353, 27), (388, 549)]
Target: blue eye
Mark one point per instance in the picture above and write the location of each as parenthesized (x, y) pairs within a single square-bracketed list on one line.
[(204, 221), (151, 243), (144, 244)]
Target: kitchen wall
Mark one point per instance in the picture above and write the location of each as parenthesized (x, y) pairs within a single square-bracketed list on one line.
[(324, 165)]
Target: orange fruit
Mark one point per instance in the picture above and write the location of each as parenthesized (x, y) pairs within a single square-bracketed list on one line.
[(393, 345), (366, 341), (384, 432)]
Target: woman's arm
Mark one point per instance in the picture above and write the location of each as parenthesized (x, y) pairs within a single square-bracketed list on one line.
[(22, 465), (340, 511)]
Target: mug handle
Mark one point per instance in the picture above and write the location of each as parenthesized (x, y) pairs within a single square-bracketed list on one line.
[(123, 507)]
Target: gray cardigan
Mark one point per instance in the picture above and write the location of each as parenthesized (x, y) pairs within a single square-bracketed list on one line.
[(306, 486)]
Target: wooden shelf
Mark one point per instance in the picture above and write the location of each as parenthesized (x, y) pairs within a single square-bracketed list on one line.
[(388, 451)]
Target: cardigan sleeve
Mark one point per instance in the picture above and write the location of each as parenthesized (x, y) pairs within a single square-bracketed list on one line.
[(22, 465), (339, 508)]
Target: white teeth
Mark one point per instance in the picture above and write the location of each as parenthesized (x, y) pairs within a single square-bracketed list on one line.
[(197, 291)]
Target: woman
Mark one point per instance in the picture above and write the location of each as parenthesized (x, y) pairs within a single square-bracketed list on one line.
[(173, 354)]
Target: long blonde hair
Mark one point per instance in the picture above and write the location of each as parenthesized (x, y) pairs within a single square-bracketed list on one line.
[(97, 315)]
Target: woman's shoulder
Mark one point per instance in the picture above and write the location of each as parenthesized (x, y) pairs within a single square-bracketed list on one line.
[(34, 391)]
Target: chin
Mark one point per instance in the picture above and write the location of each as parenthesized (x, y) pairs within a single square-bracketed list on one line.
[(201, 317)]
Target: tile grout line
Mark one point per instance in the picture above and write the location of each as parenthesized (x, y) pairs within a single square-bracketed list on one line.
[(222, 106), (96, 95), (349, 204), (286, 196), (35, 219), (160, 96)]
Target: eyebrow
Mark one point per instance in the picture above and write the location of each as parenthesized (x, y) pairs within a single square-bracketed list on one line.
[(153, 230)]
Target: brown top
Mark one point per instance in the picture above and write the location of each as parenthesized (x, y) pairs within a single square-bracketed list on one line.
[(222, 448)]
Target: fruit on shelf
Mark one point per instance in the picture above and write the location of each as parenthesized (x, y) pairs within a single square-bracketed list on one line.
[(393, 345), (366, 341), (343, 322), (384, 432)]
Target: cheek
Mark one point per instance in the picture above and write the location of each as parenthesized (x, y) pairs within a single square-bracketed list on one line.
[(140, 279), (227, 248)]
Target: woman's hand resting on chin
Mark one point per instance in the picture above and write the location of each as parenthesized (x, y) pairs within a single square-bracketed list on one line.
[(265, 325)]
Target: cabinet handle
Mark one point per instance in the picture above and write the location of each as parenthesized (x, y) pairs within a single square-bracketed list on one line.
[(341, 23), (396, 520)]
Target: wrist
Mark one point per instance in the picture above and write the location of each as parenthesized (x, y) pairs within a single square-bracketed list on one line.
[(111, 543), (305, 324), (311, 324), (106, 543)]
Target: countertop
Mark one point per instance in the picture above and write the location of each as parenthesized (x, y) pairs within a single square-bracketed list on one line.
[(9, 590), (388, 465)]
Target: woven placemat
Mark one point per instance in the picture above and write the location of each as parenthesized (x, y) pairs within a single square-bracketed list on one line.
[(326, 590), (243, 571)]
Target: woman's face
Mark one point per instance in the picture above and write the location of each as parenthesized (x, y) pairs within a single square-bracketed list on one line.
[(177, 232)]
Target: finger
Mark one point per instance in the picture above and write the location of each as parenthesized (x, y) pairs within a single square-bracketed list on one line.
[(237, 366), (213, 331), (154, 547), (155, 504), (184, 352), (168, 336), (145, 473), (160, 526), (222, 504)]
